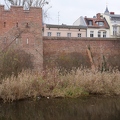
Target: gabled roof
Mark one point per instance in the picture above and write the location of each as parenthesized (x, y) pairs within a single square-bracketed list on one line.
[(80, 21), (95, 20)]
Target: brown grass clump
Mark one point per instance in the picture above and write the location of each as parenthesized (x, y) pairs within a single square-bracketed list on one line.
[(99, 83), (26, 85), (53, 84)]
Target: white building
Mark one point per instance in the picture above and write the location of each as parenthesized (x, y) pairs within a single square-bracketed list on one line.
[(96, 26), (64, 30), (113, 21)]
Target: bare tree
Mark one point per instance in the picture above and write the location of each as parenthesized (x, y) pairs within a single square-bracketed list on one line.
[(29, 3)]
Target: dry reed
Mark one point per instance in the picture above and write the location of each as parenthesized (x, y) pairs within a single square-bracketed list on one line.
[(51, 83)]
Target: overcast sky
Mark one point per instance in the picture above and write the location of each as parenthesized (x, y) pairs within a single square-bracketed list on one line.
[(70, 10)]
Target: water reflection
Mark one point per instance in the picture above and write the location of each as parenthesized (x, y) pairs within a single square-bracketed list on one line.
[(94, 108)]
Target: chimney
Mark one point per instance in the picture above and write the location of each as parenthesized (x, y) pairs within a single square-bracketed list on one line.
[(98, 16), (112, 13)]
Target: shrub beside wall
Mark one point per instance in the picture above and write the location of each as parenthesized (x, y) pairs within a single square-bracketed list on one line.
[(114, 61), (66, 61), (13, 61)]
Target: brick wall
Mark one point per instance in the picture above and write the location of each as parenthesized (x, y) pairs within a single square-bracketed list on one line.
[(22, 29), (99, 46)]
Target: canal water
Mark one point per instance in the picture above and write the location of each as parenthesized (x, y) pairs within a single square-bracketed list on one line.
[(92, 108)]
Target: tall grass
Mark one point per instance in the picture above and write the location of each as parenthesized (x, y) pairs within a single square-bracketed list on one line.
[(51, 83)]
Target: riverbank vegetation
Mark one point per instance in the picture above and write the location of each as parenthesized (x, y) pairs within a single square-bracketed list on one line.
[(51, 83), (63, 77)]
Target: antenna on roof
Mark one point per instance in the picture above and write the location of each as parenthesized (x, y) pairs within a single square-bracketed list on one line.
[(106, 3), (58, 17)]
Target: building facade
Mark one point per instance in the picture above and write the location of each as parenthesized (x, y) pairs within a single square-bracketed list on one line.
[(113, 21), (64, 30), (96, 26)]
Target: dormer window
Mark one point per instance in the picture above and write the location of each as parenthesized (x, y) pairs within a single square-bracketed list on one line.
[(90, 22), (100, 23)]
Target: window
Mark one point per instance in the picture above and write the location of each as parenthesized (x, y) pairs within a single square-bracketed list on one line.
[(104, 34), (90, 22), (4, 24), (58, 34), (79, 34), (100, 23), (49, 34), (16, 24), (27, 41), (91, 33), (27, 25), (99, 34), (16, 40), (114, 30), (68, 34)]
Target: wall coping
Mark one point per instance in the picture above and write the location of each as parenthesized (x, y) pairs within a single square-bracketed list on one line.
[(81, 39)]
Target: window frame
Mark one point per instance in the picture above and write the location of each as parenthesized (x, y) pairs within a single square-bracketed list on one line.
[(104, 34), (79, 35), (90, 22), (68, 34), (114, 30), (99, 34), (58, 34), (100, 23), (91, 33), (49, 34)]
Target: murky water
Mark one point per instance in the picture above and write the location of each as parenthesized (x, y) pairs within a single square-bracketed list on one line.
[(93, 108)]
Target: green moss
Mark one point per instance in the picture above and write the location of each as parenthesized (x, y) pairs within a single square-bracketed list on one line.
[(72, 92)]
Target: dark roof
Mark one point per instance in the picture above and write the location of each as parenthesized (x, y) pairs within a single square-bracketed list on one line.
[(66, 26), (114, 15), (95, 20)]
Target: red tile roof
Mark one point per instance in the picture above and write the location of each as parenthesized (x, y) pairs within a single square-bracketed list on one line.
[(95, 20)]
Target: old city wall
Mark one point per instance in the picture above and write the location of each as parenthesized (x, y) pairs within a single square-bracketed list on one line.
[(99, 47), (17, 15), (22, 29)]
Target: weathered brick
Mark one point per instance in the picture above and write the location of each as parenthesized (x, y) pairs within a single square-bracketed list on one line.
[(27, 25), (99, 46)]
